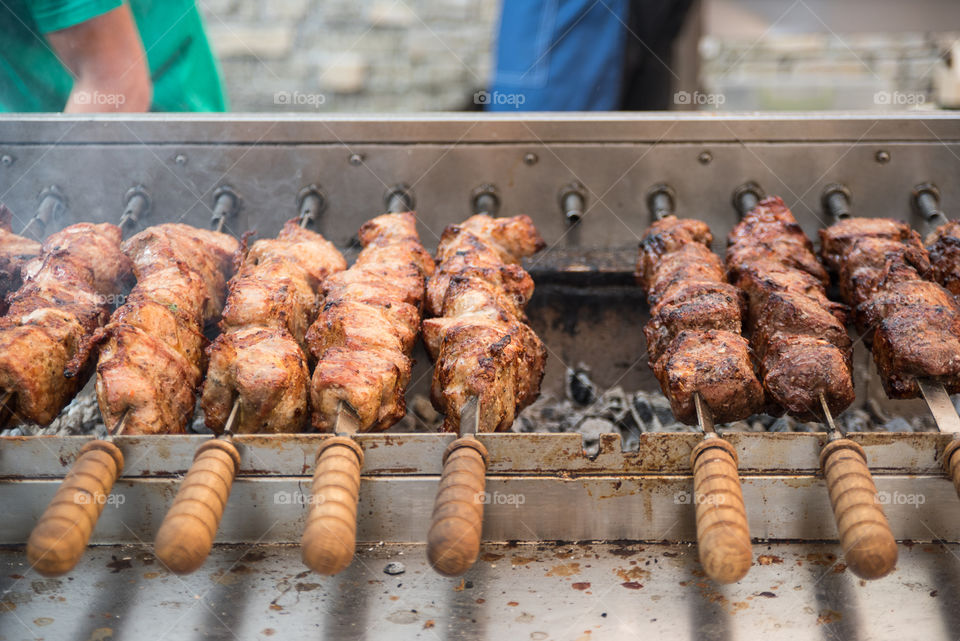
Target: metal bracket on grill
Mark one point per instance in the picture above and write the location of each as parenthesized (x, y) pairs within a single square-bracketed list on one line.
[(485, 199), (661, 201), (573, 202), (836, 199), (311, 203), (52, 206), (747, 196), (399, 199), (226, 204), (136, 206), (925, 199)]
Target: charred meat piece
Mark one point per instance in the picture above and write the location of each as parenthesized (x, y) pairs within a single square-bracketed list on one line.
[(259, 359), (363, 337), (899, 295), (67, 294), (717, 365), (915, 342), (693, 337), (944, 247), (479, 340), (151, 355), (796, 332), (695, 306), (914, 324)]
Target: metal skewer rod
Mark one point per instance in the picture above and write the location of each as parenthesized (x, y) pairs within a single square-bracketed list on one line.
[(329, 539), (723, 534), (186, 535), (453, 542)]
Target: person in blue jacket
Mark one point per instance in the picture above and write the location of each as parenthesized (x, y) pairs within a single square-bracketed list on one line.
[(584, 55)]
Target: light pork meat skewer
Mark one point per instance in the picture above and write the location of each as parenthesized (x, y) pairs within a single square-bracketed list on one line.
[(259, 358), (151, 358), (67, 294)]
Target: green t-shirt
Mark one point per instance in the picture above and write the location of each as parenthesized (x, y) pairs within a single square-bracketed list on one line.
[(182, 67)]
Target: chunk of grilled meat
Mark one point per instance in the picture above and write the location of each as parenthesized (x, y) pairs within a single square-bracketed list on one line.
[(693, 335), (479, 339), (371, 317), (259, 358), (151, 357), (67, 293), (15, 251), (796, 332), (914, 324), (944, 247)]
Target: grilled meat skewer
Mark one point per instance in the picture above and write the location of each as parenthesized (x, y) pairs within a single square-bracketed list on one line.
[(912, 323), (362, 341), (797, 333), (371, 316), (151, 358), (704, 367), (256, 380), (478, 337), (489, 365), (67, 294), (693, 337), (259, 357)]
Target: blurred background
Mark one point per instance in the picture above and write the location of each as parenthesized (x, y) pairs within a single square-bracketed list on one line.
[(436, 55)]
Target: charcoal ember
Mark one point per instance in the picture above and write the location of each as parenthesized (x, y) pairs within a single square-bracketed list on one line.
[(675, 426), (737, 426), (643, 409), (923, 424), (898, 424), (591, 428), (855, 420), (661, 410), (613, 405), (548, 414), (782, 424), (394, 568), (630, 442), (765, 419), (758, 426), (579, 386), (809, 427)]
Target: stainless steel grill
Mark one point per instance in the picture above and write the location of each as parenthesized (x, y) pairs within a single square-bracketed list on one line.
[(559, 521)]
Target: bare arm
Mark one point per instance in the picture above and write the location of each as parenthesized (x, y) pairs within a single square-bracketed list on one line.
[(106, 57)]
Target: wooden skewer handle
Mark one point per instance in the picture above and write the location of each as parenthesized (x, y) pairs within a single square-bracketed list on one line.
[(329, 540), (186, 535), (951, 463), (62, 533), (723, 536), (453, 542), (868, 544)]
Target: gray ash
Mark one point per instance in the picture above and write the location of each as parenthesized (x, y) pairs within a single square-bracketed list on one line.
[(583, 409)]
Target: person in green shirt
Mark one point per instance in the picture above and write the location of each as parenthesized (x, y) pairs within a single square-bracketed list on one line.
[(105, 56)]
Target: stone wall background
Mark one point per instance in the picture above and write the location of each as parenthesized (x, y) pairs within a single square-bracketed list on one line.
[(352, 55), (433, 55)]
